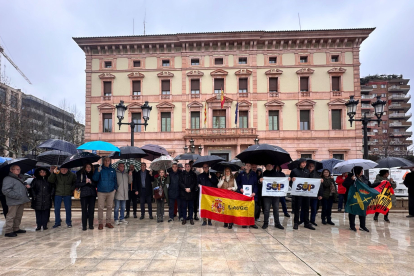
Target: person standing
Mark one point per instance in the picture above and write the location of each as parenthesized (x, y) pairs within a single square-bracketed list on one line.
[(260, 202), (196, 192), (341, 191), (106, 178), (143, 188), (313, 202), (409, 183), (160, 186), (188, 185), (383, 175), (248, 177), (64, 181), (15, 192), (132, 197), (87, 189), (329, 193), (174, 193), (42, 197), (207, 179), (228, 182), (123, 180)]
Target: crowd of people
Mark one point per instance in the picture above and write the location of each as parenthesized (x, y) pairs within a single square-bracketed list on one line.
[(118, 189)]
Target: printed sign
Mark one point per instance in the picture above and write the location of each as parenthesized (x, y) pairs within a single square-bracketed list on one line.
[(275, 186), (305, 187), (247, 190)]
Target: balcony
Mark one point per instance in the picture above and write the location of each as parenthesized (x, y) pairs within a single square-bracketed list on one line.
[(336, 93), (209, 132), (366, 106), (401, 142), (404, 106), (399, 115), (195, 96), (305, 94), (367, 97), (400, 124), (373, 142), (165, 96), (396, 88), (400, 97), (274, 94), (401, 134), (243, 94), (371, 133)]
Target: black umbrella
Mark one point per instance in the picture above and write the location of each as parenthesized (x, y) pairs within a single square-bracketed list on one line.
[(330, 164), (392, 162), (294, 164), (153, 151), (128, 152), (80, 159), (211, 160), (57, 144), (25, 165), (237, 162), (187, 156), (53, 157), (264, 154), (220, 166)]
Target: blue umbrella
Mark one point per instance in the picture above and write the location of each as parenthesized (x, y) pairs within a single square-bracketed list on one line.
[(57, 144), (330, 164), (98, 145), (4, 159)]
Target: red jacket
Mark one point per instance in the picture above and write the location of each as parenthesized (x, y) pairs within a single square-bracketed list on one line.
[(339, 180)]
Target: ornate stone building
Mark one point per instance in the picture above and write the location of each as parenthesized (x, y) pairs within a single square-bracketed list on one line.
[(290, 88)]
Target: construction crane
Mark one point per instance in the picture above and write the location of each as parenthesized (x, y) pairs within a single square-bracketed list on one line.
[(12, 63)]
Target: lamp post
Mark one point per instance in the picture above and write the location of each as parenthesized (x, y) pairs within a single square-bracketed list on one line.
[(120, 112), (351, 106), (200, 148), (185, 149), (192, 147), (256, 141)]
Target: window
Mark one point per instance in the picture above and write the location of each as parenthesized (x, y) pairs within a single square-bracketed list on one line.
[(165, 122), (303, 59), (274, 120), (195, 119), (136, 118), (272, 60), (243, 85), (304, 119), (306, 155), (219, 118), (243, 60), (374, 95), (375, 130), (13, 100), (137, 63), (2, 95), (384, 122), (243, 119), (397, 148), (335, 58), (336, 119), (335, 83), (165, 87), (218, 85), (108, 64), (375, 149), (107, 88), (136, 88), (374, 86), (218, 61), (339, 156), (195, 61), (165, 62), (383, 86), (272, 85), (383, 95), (195, 86), (385, 131), (107, 122), (304, 84)]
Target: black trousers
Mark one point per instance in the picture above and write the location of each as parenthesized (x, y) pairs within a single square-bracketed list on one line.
[(410, 204), (42, 218), (171, 205), (271, 202), (88, 210), (196, 203), (4, 205), (301, 202), (351, 218), (142, 200), (258, 206), (134, 198)]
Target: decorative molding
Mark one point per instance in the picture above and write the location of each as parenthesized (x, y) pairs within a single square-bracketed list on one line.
[(219, 73), (165, 105), (243, 72), (337, 70), (106, 76), (135, 106), (195, 73), (195, 104), (215, 100), (274, 103), (165, 74), (306, 103), (337, 102), (136, 75), (305, 71), (274, 72)]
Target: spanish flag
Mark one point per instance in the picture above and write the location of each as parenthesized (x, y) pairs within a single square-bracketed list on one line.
[(226, 206), (222, 98), (205, 114)]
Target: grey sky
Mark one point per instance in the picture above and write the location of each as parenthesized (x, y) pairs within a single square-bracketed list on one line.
[(38, 34)]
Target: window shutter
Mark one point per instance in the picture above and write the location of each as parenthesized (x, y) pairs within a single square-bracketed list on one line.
[(242, 84), (107, 88), (165, 85), (335, 83), (218, 84), (195, 120), (219, 113), (218, 61), (195, 84), (304, 84), (336, 119), (136, 86), (273, 84)]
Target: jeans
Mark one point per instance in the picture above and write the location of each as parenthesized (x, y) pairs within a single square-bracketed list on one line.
[(341, 202), (327, 208), (42, 218), (119, 204), (142, 200), (160, 209), (256, 209), (88, 210), (351, 218), (187, 204), (67, 201), (282, 201), (171, 207), (274, 202), (301, 203), (314, 208), (131, 197)]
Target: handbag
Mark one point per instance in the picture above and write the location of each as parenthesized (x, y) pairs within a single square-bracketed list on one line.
[(77, 192), (159, 192)]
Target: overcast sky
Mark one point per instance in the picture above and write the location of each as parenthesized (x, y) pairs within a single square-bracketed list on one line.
[(37, 35)]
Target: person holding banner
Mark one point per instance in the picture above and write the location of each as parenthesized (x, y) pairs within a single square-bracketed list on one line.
[(329, 192), (247, 179), (383, 175), (409, 183), (208, 179), (229, 183), (313, 202)]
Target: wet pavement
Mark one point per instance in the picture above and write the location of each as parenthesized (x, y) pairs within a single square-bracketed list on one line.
[(145, 247)]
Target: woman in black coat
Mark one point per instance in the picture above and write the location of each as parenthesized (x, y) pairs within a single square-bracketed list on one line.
[(87, 188), (42, 192)]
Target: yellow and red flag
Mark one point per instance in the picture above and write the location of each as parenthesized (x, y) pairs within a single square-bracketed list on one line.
[(205, 114), (226, 206), (222, 98), (382, 203)]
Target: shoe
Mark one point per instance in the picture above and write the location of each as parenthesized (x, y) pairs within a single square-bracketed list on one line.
[(56, 226), (254, 226), (313, 223), (20, 231), (123, 221), (386, 219), (45, 228), (310, 227), (91, 227), (184, 222), (10, 235), (265, 225), (109, 225), (84, 228), (38, 228), (279, 226), (295, 226), (324, 222), (244, 226), (100, 227), (364, 229), (230, 225), (410, 216), (226, 225), (141, 217), (204, 223), (376, 218), (196, 218), (170, 220), (330, 222), (69, 225), (287, 215), (191, 222), (151, 217), (127, 215), (116, 222), (135, 216), (352, 228), (300, 222), (209, 223)]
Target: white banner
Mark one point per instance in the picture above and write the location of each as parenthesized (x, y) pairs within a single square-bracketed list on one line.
[(275, 186), (305, 187)]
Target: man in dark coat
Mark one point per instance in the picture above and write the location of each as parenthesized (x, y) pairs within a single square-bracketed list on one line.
[(174, 192), (208, 179), (409, 183), (188, 184), (142, 183), (248, 177), (131, 196), (196, 192)]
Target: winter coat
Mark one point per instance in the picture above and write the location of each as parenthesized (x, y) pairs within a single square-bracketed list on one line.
[(64, 183), (188, 180), (162, 184), (228, 182), (106, 179), (42, 191), (298, 172), (409, 182), (326, 188), (204, 180), (248, 179), (123, 179), (86, 189), (15, 190), (136, 179), (341, 189), (379, 179), (174, 187)]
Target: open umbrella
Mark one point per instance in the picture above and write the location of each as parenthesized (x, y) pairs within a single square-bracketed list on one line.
[(80, 159), (57, 144), (392, 162), (98, 145), (25, 165), (53, 157), (4, 159), (187, 156), (127, 153), (329, 164), (127, 162), (237, 162), (153, 151), (295, 164), (164, 162), (347, 166), (220, 166), (264, 154), (211, 160)]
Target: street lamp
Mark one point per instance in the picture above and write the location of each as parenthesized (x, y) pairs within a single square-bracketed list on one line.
[(185, 149), (256, 141), (200, 148), (120, 113), (192, 147), (351, 106)]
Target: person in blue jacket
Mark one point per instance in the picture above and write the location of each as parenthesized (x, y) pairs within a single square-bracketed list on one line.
[(107, 186), (248, 177)]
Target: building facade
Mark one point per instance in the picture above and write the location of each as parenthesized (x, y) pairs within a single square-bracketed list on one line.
[(289, 88)]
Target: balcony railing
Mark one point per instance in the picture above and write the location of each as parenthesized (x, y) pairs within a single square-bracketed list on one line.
[(337, 93), (165, 96), (400, 124), (243, 94), (399, 88), (274, 94), (305, 94), (399, 115), (399, 97), (371, 133), (371, 143), (195, 96), (399, 142), (401, 133), (365, 106), (221, 131), (367, 96)]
